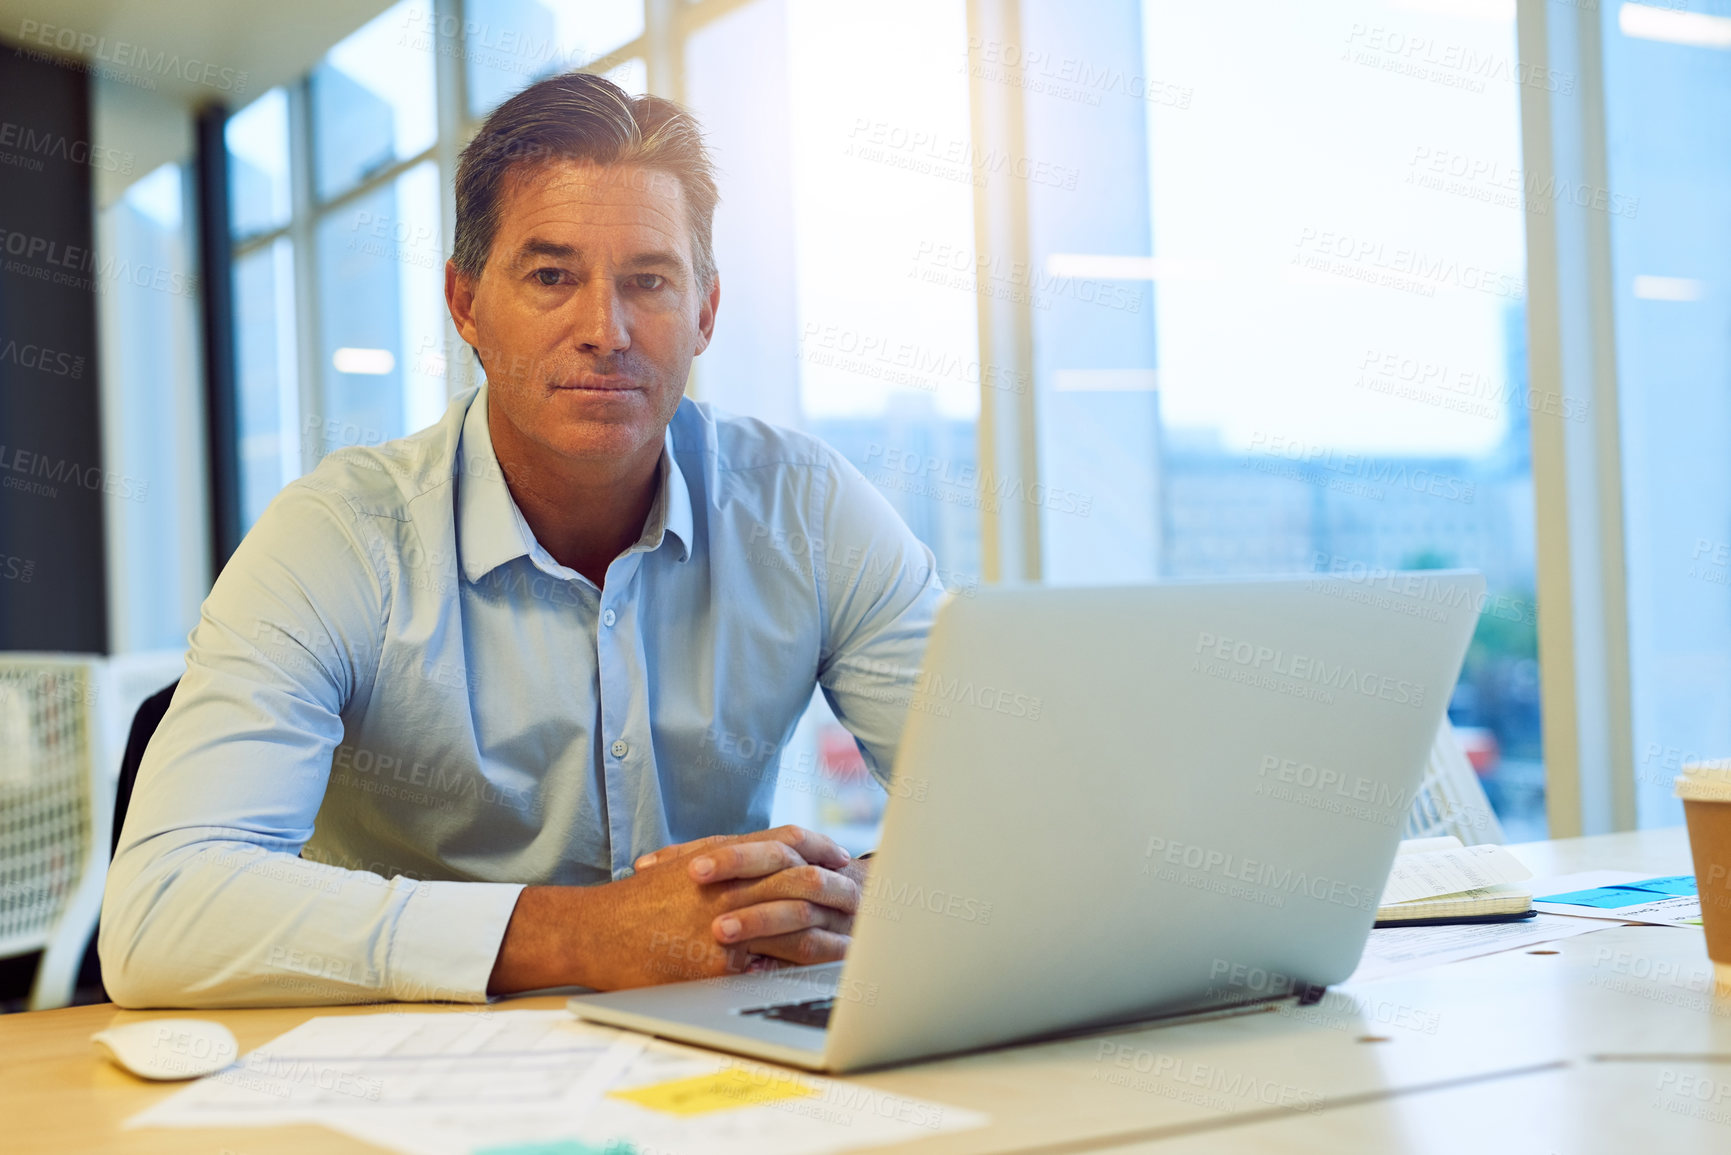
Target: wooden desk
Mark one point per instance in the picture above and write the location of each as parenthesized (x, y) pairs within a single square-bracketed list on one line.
[(1591, 1109), (1375, 1067)]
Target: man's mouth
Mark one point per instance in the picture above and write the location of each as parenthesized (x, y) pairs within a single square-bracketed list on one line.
[(597, 383)]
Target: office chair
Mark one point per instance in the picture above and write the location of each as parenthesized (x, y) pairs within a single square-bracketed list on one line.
[(144, 724), (1450, 799), (53, 807)]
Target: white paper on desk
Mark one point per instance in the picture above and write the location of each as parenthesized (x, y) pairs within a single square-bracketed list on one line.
[(836, 1116), (1675, 910), (1426, 845), (1427, 875), (391, 1064), (1398, 950)]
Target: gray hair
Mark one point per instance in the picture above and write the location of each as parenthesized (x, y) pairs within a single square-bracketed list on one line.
[(580, 116)]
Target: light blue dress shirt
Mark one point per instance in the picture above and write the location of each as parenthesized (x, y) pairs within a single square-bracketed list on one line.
[(399, 709)]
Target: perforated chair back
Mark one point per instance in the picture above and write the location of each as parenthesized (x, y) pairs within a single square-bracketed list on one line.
[(1450, 800), (54, 813)]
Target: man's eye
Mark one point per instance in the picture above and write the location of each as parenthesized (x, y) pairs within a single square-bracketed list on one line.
[(549, 277), (650, 281)]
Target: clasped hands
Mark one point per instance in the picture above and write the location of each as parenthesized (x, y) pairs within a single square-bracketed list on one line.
[(714, 906), (782, 896)]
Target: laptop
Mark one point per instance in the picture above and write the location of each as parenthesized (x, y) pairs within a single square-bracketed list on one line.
[(1113, 805)]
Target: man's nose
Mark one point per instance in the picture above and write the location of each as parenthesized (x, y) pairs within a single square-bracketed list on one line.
[(599, 325)]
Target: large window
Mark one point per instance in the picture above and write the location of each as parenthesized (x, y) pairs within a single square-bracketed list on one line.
[(1275, 287), (373, 104), (1338, 306), (842, 135), (339, 256), (1668, 206), (261, 203), (381, 278), (1113, 293), (153, 423)]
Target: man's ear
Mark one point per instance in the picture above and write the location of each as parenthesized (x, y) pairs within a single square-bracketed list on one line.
[(460, 300), (706, 315)]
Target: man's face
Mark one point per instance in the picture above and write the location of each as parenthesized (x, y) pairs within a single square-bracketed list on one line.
[(587, 314)]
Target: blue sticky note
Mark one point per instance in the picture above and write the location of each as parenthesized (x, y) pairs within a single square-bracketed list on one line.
[(1604, 897), (1676, 884), (1626, 893)]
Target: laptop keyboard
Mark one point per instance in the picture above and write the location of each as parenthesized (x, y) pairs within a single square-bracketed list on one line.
[(811, 1013)]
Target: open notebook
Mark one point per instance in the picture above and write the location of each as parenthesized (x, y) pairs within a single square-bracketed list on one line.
[(1424, 865)]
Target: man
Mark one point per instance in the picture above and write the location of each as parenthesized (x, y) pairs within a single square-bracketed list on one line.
[(463, 714)]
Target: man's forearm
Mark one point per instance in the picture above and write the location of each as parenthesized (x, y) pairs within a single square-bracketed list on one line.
[(605, 937), (701, 914), (231, 924), (540, 948)]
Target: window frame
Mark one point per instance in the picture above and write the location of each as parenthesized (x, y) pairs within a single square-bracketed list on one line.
[(1577, 470), (1584, 671)]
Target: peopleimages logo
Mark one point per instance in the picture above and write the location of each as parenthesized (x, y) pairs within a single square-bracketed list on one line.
[(28, 464), (1375, 261), (1255, 872), (881, 897), (1373, 473), (135, 57), (1307, 670), (932, 693), (1352, 788), (1203, 1084), (1335, 1009)]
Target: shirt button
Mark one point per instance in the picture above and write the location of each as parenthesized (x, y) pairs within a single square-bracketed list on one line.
[(608, 617), (620, 749)]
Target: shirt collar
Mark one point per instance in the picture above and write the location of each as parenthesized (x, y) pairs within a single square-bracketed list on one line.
[(677, 497), (492, 530)]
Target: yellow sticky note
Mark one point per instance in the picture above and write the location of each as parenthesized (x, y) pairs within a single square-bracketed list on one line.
[(719, 1091)]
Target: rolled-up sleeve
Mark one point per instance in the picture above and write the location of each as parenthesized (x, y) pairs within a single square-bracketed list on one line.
[(208, 901), (879, 594)]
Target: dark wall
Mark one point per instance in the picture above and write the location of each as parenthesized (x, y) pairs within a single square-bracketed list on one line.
[(52, 593)]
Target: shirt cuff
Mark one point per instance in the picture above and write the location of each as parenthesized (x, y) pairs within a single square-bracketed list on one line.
[(447, 940)]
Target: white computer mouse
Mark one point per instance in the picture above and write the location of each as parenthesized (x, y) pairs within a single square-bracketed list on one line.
[(169, 1048)]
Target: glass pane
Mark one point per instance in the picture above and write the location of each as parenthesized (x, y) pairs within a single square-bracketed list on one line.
[(268, 385), (258, 165), (1338, 315), (1668, 203), (382, 305), (632, 76), (153, 408), (812, 110), (372, 100), (509, 44)]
